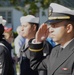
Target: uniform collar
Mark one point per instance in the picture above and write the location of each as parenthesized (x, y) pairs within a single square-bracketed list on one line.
[(67, 43)]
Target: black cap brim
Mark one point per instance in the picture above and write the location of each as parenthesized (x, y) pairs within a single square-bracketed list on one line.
[(53, 21)]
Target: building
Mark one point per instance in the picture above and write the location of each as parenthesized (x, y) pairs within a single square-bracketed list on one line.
[(13, 15)]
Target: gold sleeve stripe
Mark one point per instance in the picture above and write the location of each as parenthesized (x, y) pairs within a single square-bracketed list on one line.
[(35, 50), (60, 17)]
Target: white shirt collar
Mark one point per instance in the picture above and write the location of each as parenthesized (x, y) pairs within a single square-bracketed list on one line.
[(67, 43)]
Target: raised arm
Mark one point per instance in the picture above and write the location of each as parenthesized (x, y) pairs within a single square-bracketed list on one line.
[(36, 47), (42, 33)]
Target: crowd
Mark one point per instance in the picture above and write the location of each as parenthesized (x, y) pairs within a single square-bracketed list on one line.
[(45, 49)]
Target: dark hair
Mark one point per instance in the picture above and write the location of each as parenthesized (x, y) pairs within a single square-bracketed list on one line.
[(1, 31), (37, 25), (69, 22)]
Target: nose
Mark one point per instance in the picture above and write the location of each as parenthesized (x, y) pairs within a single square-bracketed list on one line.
[(22, 28)]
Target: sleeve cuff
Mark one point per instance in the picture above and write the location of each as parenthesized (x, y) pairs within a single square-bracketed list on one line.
[(34, 42), (35, 46)]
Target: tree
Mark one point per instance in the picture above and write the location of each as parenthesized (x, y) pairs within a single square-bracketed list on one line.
[(30, 6)]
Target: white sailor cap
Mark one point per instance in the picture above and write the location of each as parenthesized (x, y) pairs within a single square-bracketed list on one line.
[(58, 13), (2, 21), (30, 19), (1, 18)]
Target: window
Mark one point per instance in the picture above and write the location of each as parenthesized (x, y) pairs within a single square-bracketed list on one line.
[(7, 15)]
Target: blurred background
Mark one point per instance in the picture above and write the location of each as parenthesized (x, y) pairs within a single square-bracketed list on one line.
[(12, 10)]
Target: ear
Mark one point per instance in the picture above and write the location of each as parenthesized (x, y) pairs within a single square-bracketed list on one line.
[(69, 28)]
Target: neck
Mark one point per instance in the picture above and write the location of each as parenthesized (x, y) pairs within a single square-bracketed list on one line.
[(65, 41)]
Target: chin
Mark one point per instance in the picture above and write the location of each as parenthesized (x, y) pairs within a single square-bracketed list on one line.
[(54, 40)]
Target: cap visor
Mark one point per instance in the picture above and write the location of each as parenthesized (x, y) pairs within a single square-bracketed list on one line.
[(53, 21)]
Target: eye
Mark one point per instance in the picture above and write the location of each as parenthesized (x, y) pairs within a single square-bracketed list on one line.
[(53, 26)]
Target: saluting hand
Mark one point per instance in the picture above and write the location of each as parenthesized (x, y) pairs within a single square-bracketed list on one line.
[(42, 33)]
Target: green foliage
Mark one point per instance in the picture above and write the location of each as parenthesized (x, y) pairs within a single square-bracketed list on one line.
[(34, 7), (15, 34)]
